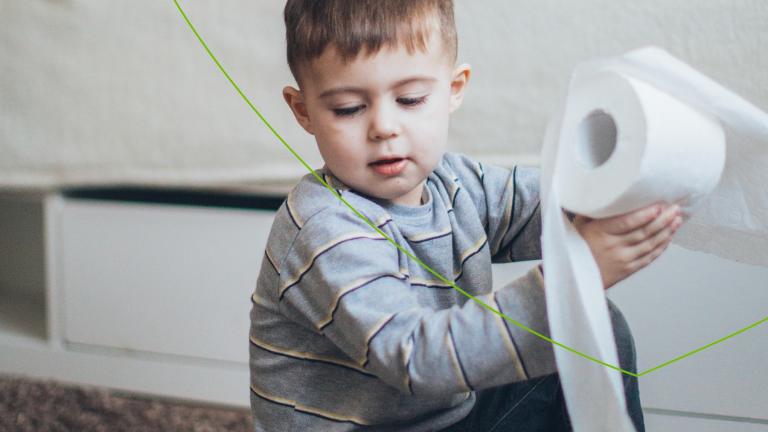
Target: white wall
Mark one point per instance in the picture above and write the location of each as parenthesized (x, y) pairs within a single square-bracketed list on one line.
[(524, 51), (99, 91)]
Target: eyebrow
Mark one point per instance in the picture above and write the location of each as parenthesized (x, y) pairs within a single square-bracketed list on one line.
[(351, 89)]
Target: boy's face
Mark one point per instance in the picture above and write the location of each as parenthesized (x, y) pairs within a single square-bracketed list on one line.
[(381, 121)]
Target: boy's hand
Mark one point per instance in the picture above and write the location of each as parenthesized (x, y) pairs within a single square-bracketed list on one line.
[(622, 245)]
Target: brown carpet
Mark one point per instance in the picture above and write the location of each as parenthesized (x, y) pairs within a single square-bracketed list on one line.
[(31, 405)]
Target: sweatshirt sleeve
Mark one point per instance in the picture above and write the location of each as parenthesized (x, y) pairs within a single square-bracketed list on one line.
[(508, 201), (344, 281)]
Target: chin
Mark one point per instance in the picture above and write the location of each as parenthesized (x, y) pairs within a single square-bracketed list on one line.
[(390, 196)]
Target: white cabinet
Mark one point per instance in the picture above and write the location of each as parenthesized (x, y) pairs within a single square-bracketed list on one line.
[(136, 295), (159, 278)]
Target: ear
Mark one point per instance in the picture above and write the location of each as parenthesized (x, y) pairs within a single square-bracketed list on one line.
[(295, 100), (458, 84)]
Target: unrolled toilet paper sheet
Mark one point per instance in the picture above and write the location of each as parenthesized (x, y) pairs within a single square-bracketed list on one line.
[(637, 129)]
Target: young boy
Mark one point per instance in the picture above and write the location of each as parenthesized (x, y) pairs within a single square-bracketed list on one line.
[(348, 332)]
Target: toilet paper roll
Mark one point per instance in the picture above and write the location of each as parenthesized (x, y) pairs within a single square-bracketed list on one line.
[(638, 129), (630, 145)]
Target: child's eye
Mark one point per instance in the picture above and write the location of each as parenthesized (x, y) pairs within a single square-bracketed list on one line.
[(348, 111), (411, 101)]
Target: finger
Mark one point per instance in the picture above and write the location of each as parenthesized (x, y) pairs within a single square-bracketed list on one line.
[(670, 216), (650, 244), (648, 258), (627, 222)]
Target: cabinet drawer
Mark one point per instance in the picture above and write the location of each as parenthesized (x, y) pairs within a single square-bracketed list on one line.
[(160, 278)]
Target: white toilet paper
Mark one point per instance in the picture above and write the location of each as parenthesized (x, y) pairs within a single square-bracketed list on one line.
[(732, 222), (631, 145), (635, 130)]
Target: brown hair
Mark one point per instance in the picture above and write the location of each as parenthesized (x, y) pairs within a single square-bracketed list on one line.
[(353, 25)]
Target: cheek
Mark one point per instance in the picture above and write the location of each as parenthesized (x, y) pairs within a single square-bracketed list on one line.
[(433, 126), (339, 129), (434, 134), (331, 137), (436, 113), (433, 137), (336, 143)]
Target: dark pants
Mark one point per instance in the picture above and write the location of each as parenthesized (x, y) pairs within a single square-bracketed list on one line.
[(538, 405)]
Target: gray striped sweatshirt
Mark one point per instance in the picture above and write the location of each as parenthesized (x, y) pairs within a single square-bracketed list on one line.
[(348, 333)]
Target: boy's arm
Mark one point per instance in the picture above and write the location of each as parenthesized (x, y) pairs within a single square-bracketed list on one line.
[(344, 281), (508, 201)]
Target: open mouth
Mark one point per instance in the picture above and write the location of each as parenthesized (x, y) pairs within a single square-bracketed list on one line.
[(386, 161), (389, 167)]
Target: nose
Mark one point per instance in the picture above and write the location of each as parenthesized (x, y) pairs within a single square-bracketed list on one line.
[(384, 125)]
